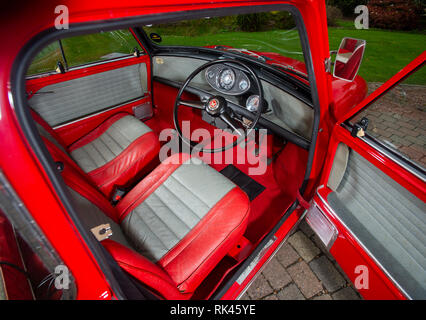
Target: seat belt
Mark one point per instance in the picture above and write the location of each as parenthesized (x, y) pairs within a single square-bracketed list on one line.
[(305, 204)]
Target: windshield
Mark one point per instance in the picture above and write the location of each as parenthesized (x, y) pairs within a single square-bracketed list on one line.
[(269, 37)]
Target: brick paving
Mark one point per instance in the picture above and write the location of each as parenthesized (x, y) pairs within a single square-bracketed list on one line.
[(399, 120), (302, 270)]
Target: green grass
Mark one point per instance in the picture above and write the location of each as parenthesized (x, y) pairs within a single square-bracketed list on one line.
[(386, 53)]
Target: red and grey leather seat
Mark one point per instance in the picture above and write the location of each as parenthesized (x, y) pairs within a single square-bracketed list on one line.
[(112, 154), (172, 228)]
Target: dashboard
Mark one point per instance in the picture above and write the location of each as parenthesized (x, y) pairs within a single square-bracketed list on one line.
[(283, 113)]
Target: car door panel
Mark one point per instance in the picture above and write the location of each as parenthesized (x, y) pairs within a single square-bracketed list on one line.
[(103, 89), (376, 201), (356, 245)]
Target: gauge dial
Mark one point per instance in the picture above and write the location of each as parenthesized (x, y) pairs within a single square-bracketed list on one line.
[(243, 85), (226, 79), (252, 103)]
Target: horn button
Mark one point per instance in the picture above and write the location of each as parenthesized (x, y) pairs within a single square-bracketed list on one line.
[(216, 105)]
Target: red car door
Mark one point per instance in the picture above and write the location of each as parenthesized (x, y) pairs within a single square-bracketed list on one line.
[(369, 209), (110, 71)]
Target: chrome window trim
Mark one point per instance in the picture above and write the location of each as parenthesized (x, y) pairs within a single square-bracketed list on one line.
[(81, 66), (399, 158), (385, 271)]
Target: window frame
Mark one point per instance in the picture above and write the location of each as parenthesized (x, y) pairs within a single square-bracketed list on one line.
[(88, 64), (397, 156)]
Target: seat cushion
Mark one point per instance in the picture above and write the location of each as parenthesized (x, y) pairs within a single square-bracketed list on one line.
[(185, 216), (114, 152)]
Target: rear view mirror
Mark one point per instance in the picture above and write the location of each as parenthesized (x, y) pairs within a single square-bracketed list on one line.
[(348, 58)]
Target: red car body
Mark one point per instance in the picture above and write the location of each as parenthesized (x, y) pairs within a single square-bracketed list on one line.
[(336, 100)]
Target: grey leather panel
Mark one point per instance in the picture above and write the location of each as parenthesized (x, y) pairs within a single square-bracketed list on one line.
[(286, 111), (143, 72), (3, 293), (174, 208), (338, 168), (110, 144), (44, 133), (72, 99), (91, 216), (388, 219)]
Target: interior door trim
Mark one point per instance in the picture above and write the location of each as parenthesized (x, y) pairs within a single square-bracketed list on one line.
[(360, 243)]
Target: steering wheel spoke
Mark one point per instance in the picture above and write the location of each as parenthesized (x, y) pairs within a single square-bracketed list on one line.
[(192, 104), (231, 123), (216, 107)]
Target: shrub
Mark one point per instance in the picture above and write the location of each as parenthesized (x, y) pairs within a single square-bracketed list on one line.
[(333, 13), (281, 20), (252, 21), (393, 14), (346, 6)]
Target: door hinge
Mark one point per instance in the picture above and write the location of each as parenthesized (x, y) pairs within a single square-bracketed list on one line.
[(359, 128), (327, 64)]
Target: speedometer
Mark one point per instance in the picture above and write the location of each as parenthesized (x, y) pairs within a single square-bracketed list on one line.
[(226, 79), (252, 103)]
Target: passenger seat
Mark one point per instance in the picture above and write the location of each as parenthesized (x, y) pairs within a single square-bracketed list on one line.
[(111, 155)]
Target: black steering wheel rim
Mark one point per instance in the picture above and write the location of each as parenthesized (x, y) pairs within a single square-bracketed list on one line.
[(194, 144)]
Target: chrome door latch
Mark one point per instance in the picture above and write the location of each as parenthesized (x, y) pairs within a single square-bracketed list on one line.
[(359, 128), (102, 232)]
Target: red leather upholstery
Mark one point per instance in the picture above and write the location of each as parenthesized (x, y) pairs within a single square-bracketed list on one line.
[(144, 270), (181, 270), (123, 169), (191, 260)]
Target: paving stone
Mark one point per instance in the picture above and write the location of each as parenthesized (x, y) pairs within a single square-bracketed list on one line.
[(290, 292), (327, 273), (304, 247), (245, 296), (345, 294), (323, 297), (321, 246), (275, 273), (271, 297), (286, 255), (307, 230), (342, 272), (259, 288), (305, 279)]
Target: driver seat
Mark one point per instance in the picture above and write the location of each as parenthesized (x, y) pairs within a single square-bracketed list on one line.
[(172, 228)]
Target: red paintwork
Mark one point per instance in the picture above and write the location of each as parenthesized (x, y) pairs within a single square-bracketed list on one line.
[(23, 170), (346, 249), (349, 254)]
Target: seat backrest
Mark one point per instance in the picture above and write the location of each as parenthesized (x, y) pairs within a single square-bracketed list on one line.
[(94, 209)]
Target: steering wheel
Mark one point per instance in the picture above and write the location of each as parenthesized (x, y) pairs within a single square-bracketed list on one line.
[(217, 107)]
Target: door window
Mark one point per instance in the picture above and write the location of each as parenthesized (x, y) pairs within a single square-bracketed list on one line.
[(82, 50), (397, 119)]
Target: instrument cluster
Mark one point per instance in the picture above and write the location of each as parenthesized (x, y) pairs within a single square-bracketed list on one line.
[(227, 80)]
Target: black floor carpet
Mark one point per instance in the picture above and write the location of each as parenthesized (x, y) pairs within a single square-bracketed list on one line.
[(251, 187)]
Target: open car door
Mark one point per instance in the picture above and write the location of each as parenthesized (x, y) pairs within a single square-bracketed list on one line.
[(369, 209)]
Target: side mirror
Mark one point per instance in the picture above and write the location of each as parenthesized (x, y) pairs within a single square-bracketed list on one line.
[(348, 58)]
